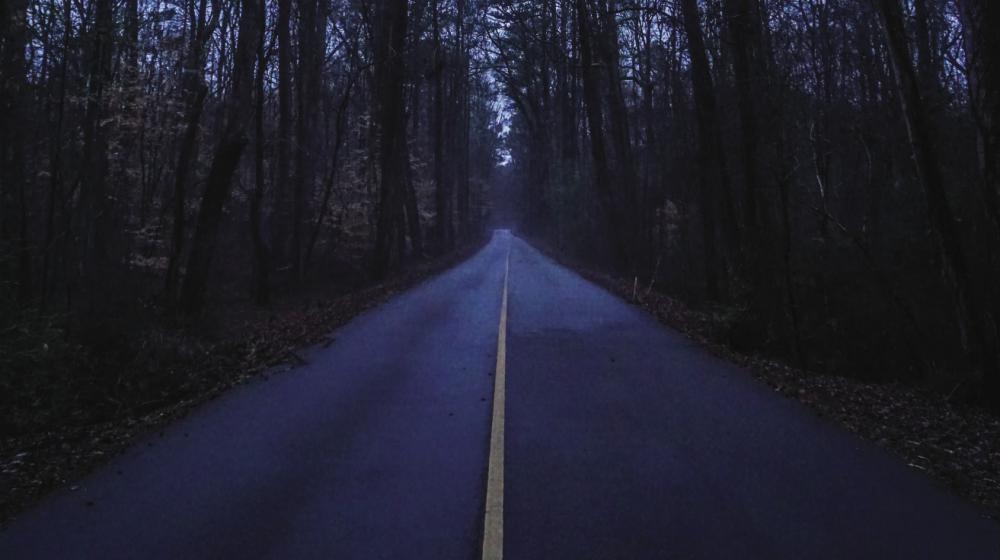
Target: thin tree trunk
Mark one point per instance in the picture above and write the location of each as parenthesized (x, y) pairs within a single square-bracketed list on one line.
[(442, 194), (55, 175), (413, 213), (330, 180), (194, 92), (260, 290), (187, 160), (285, 192), (93, 253)]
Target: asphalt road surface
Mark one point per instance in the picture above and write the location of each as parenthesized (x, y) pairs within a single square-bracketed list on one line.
[(623, 440)]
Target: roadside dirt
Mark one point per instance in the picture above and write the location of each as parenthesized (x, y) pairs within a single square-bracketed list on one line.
[(954, 443), (263, 341)]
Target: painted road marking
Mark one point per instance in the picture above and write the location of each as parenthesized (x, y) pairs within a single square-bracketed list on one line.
[(493, 523)]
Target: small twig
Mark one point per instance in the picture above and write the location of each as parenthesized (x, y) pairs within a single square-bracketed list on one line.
[(299, 360), (953, 390), (652, 277)]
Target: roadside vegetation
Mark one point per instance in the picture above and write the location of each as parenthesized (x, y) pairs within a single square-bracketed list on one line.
[(822, 174), (192, 190)]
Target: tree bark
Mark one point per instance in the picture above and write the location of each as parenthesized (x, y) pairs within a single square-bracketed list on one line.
[(14, 178), (194, 92), (311, 45), (93, 252), (981, 22), (413, 213), (390, 40), (240, 110), (260, 280), (443, 232), (708, 146), (285, 194), (614, 170), (744, 22), (338, 141)]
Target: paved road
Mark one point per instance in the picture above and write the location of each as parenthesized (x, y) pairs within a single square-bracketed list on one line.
[(623, 440)]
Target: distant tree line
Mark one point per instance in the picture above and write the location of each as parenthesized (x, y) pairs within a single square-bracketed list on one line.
[(176, 149), (822, 172)]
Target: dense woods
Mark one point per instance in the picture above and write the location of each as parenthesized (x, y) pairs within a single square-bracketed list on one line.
[(821, 174), (164, 160), (140, 138)]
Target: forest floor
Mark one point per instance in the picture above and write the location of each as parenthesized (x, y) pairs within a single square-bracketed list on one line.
[(954, 443), (265, 343)]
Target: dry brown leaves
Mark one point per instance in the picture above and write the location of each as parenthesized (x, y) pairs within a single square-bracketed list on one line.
[(956, 444)]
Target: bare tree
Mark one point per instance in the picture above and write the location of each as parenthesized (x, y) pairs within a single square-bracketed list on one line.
[(390, 39), (227, 155)]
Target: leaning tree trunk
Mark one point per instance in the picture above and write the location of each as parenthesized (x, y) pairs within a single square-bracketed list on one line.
[(973, 315), (193, 93), (234, 139), (338, 140)]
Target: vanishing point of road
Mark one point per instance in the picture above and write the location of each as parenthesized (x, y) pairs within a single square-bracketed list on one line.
[(505, 408)]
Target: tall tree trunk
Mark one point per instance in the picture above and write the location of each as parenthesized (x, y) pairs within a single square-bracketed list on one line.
[(239, 111), (709, 176), (194, 92), (981, 22), (974, 315), (603, 181), (187, 160), (443, 232), (626, 176), (285, 193), (312, 28), (56, 150), (390, 40), (615, 172), (93, 252), (338, 140), (260, 281), (413, 213), (744, 22), (13, 108), (460, 97)]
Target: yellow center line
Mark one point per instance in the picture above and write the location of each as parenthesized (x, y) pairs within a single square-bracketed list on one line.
[(493, 525)]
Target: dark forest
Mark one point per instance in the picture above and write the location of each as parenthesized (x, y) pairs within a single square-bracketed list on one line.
[(193, 190)]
